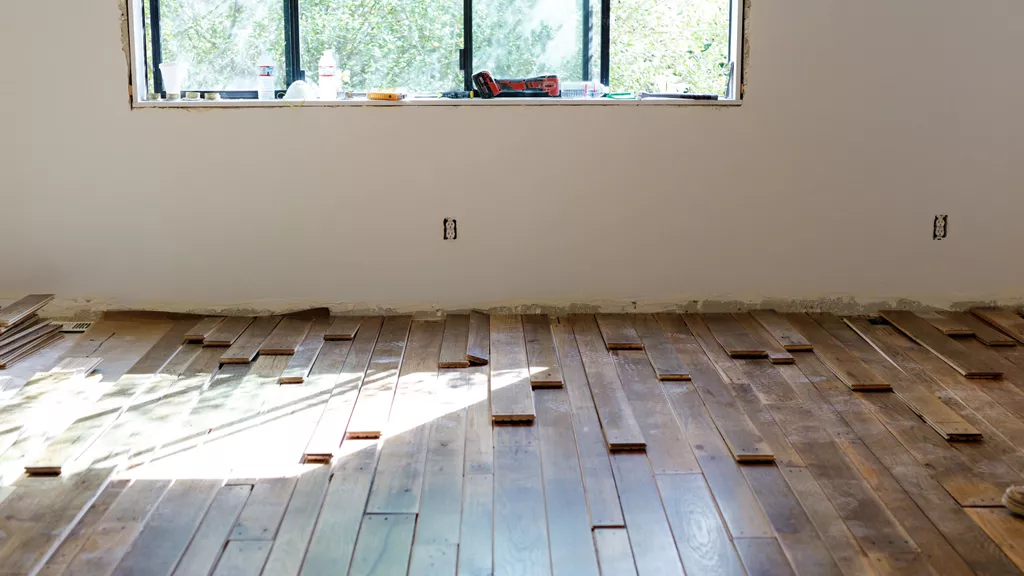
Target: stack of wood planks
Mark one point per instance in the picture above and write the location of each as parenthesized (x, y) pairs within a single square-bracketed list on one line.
[(22, 332)]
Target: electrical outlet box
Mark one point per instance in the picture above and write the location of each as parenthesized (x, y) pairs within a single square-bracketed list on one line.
[(940, 227), (451, 232)]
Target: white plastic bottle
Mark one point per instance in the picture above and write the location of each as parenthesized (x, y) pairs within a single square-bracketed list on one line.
[(328, 77), (265, 80)]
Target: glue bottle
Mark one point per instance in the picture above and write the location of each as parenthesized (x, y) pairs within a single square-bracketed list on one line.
[(328, 77), (265, 79)]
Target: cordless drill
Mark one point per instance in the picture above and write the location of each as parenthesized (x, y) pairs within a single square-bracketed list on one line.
[(538, 87)]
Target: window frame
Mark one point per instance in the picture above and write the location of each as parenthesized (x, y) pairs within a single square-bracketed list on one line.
[(145, 14)]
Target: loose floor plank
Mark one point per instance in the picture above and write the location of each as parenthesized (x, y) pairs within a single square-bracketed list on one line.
[(200, 331), (941, 345), (945, 324), (478, 344), (228, 331), (205, 548), (511, 392), (377, 393), (299, 520), (243, 558), (845, 365), (384, 545), (742, 438), (701, 538), (1006, 320), (343, 328), (650, 535), (540, 350), (621, 430), (569, 528), (763, 557), (28, 350), (23, 308), (614, 551), (456, 340), (520, 530), (602, 497), (247, 346), (264, 509), (476, 540), (776, 353), (782, 331), (733, 337), (58, 562), (660, 351), (286, 337), (618, 332), (1006, 529), (305, 355), (76, 366), (981, 329)]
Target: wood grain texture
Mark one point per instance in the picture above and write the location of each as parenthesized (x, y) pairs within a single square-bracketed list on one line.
[(650, 535), (618, 332), (1008, 321), (733, 337), (306, 353), (76, 366), (945, 324), (763, 557), (297, 526), (614, 551), (343, 328), (850, 370), (247, 345), (228, 331), (666, 362), (286, 337), (373, 407), (456, 341), (243, 558), (621, 430), (776, 353), (58, 562), (26, 339), (941, 345), (602, 497), (520, 529), (478, 344), (203, 328), (206, 546), (29, 350), (264, 509), (700, 536), (540, 350), (511, 391), (476, 539), (17, 331), (1004, 528), (783, 332), (384, 545), (982, 330), (479, 440), (23, 308)]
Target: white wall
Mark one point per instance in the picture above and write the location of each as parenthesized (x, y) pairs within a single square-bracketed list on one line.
[(862, 121)]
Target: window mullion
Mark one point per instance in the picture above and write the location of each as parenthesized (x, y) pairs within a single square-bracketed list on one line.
[(292, 55), (154, 32), (467, 44), (606, 40)]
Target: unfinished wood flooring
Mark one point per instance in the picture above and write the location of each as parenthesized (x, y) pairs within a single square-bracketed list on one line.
[(581, 449)]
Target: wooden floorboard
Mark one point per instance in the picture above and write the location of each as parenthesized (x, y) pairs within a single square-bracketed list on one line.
[(618, 333), (700, 536), (228, 331), (476, 538), (846, 366), (23, 308), (941, 345), (540, 350), (1003, 527), (343, 328), (1006, 321), (248, 344), (763, 557), (478, 342), (203, 328), (286, 337), (264, 510), (945, 324), (58, 562), (511, 391), (982, 330), (650, 535), (456, 340), (373, 407), (733, 337), (384, 545), (305, 354), (614, 551), (300, 518), (243, 558), (663, 356), (206, 546), (520, 527), (776, 353)]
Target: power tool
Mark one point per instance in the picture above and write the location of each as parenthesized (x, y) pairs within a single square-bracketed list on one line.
[(539, 87)]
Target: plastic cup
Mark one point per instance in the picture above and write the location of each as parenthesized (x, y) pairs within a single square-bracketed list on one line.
[(173, 74)]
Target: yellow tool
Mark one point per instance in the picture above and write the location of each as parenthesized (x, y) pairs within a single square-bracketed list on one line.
[(385, 95)]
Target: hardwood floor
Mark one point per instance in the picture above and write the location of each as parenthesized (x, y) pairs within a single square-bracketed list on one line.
[(616, 445)]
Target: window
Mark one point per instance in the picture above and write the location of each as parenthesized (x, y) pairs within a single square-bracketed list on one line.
[(432, 46)]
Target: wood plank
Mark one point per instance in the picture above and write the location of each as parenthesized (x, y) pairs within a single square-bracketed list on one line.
[(650, 535), (850, 370), (343, 328), (701, 538), (243, 558), (667, 449), (373, 407), (264, 509), (299, 520), (478, 344), (940, 417), (286, 337), (118, 528), (334, 537), (763, 557), (23, 308), (733, 337), (540, 350), (614, 551), (76, 366), (1003, 527), (783, 332), (776, 353), (330, 430), (945, 324), (456, 340), (305, 355), (941, 345), (520, 529), (621, 430), (618, 332), (384, 545), (479, 440), (203, 328), (476, 535), (666, 362), (15, 332), (169, 530), (205, 548), (511, 392), (599, 483), (247, 345), (26, 339), (228, 331), (742, 438), (58, 562), (1007, 321), (569, 528), (29, 350), (981, 329)]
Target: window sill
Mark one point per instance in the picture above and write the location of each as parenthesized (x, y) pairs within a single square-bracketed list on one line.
[(429, 102)]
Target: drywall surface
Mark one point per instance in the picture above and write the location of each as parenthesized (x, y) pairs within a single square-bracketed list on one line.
[(862, 120)]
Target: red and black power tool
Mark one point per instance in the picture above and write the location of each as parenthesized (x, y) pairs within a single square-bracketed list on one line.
[(539, 87)]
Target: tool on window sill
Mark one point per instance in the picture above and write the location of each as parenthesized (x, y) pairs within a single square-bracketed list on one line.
[(459, 94), (679, 96), (538, 87), (385, 95)]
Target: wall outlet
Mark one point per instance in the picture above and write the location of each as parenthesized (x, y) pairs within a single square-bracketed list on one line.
[(451, 232), (940, 226)]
